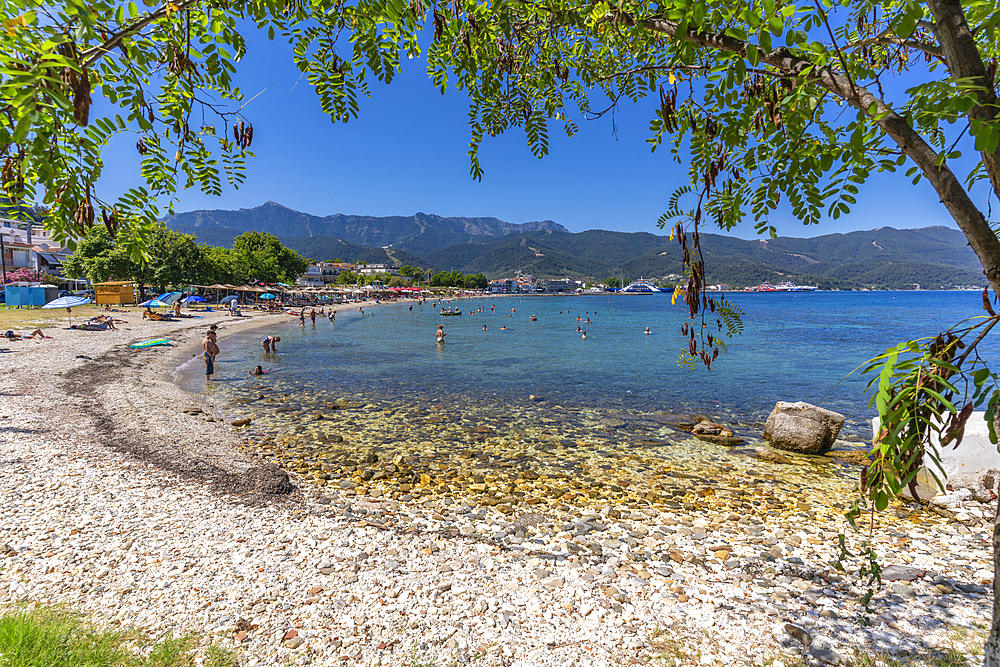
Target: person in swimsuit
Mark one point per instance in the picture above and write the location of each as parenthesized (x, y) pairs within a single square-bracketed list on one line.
[(302, 317), (210, 349), (177, 308), (37, 333), (258, 370), (440, 334), (312, 315), (648, 331), (584, 335), (269, 344)]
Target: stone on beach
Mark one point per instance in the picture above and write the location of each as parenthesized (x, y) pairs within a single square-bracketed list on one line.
[(714, 562), (802, 427), (267, 479)]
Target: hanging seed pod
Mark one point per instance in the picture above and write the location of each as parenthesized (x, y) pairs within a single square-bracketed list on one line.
[(141, 147), (438, 25)]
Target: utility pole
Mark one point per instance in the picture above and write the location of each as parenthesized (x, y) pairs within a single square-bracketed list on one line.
[(3, 260)]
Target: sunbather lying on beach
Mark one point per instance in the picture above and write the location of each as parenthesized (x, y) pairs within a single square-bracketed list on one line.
[(91, 326), (37, 333)]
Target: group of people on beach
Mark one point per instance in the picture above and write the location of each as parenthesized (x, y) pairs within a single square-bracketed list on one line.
[(332, 315)]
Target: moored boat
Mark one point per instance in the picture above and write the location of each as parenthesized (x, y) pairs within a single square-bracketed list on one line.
[(642, 286)]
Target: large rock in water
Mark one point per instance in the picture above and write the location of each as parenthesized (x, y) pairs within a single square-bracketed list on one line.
[(803, 428)]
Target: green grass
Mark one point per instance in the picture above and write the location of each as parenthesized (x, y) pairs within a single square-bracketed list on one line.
[(24, 318), (54, 637)]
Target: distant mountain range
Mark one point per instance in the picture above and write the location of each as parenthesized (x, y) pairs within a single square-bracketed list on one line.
[(884, 258), (419, 234)]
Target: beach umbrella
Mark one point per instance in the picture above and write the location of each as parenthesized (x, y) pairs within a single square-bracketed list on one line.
[(155, 303), (227, 299), (169, 297), (267, 295), (67, 302), (193, 298)]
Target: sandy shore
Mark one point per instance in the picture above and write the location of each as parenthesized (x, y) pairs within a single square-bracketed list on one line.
[(129, 499)]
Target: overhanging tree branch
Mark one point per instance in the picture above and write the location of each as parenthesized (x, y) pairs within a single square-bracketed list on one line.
[(948, 186), (95, 53)]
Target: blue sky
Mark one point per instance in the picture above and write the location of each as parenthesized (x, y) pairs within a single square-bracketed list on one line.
[(407, 153)]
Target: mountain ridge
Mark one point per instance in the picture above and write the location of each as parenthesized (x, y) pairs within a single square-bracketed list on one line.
[(419, 233), (934, 257)]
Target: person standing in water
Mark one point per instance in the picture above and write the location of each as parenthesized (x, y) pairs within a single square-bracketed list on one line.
[(209, 349), (440, 334), (312, 315), (302, 317)]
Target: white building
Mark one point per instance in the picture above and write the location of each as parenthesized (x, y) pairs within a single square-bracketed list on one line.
[(29, 245)]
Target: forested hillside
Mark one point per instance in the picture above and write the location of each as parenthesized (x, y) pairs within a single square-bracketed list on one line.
[(883, 258)]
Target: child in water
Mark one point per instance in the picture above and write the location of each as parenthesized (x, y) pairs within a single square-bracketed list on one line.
[(257, 371)]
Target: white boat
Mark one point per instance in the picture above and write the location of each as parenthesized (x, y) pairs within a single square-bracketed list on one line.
[(642, 286)]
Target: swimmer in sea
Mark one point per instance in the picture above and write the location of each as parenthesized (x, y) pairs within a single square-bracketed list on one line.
[(584, 335), (484, 327), (534, 319), (504, 327), (648, 331), (578, 329), (440, 334), (588, 320), (256, 371)]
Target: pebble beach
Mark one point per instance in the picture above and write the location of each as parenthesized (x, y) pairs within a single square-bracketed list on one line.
[(143, 506)]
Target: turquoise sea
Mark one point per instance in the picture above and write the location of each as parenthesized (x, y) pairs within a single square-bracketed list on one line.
[(796, 346), (536, 413)]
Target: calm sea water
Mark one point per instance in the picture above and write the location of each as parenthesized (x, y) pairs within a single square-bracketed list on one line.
[(796, 346)]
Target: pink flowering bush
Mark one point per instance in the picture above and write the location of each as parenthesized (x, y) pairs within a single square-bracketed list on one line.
[(22, 274)]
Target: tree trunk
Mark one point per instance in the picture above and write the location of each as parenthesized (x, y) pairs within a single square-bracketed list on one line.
[(991, 652)]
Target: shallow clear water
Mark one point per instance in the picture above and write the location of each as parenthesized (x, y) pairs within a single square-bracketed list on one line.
[(796, 346), (380, 383)]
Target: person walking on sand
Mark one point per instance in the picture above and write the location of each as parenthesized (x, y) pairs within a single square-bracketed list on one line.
[(440, 334)]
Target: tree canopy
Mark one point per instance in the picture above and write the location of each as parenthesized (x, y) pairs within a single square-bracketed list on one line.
[(764, 101), (176, 259)]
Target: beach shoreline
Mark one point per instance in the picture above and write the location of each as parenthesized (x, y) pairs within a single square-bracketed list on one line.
[(121, 497)]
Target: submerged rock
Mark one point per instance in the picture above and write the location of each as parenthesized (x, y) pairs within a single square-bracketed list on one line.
[(768, 454)]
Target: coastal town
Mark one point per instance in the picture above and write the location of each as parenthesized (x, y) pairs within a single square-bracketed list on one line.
[(499, 334)]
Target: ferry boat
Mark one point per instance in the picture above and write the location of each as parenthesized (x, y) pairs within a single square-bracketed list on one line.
[(781, 287), (642, 286)]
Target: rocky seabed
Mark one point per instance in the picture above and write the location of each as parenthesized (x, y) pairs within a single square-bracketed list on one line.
[(326, 577)]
